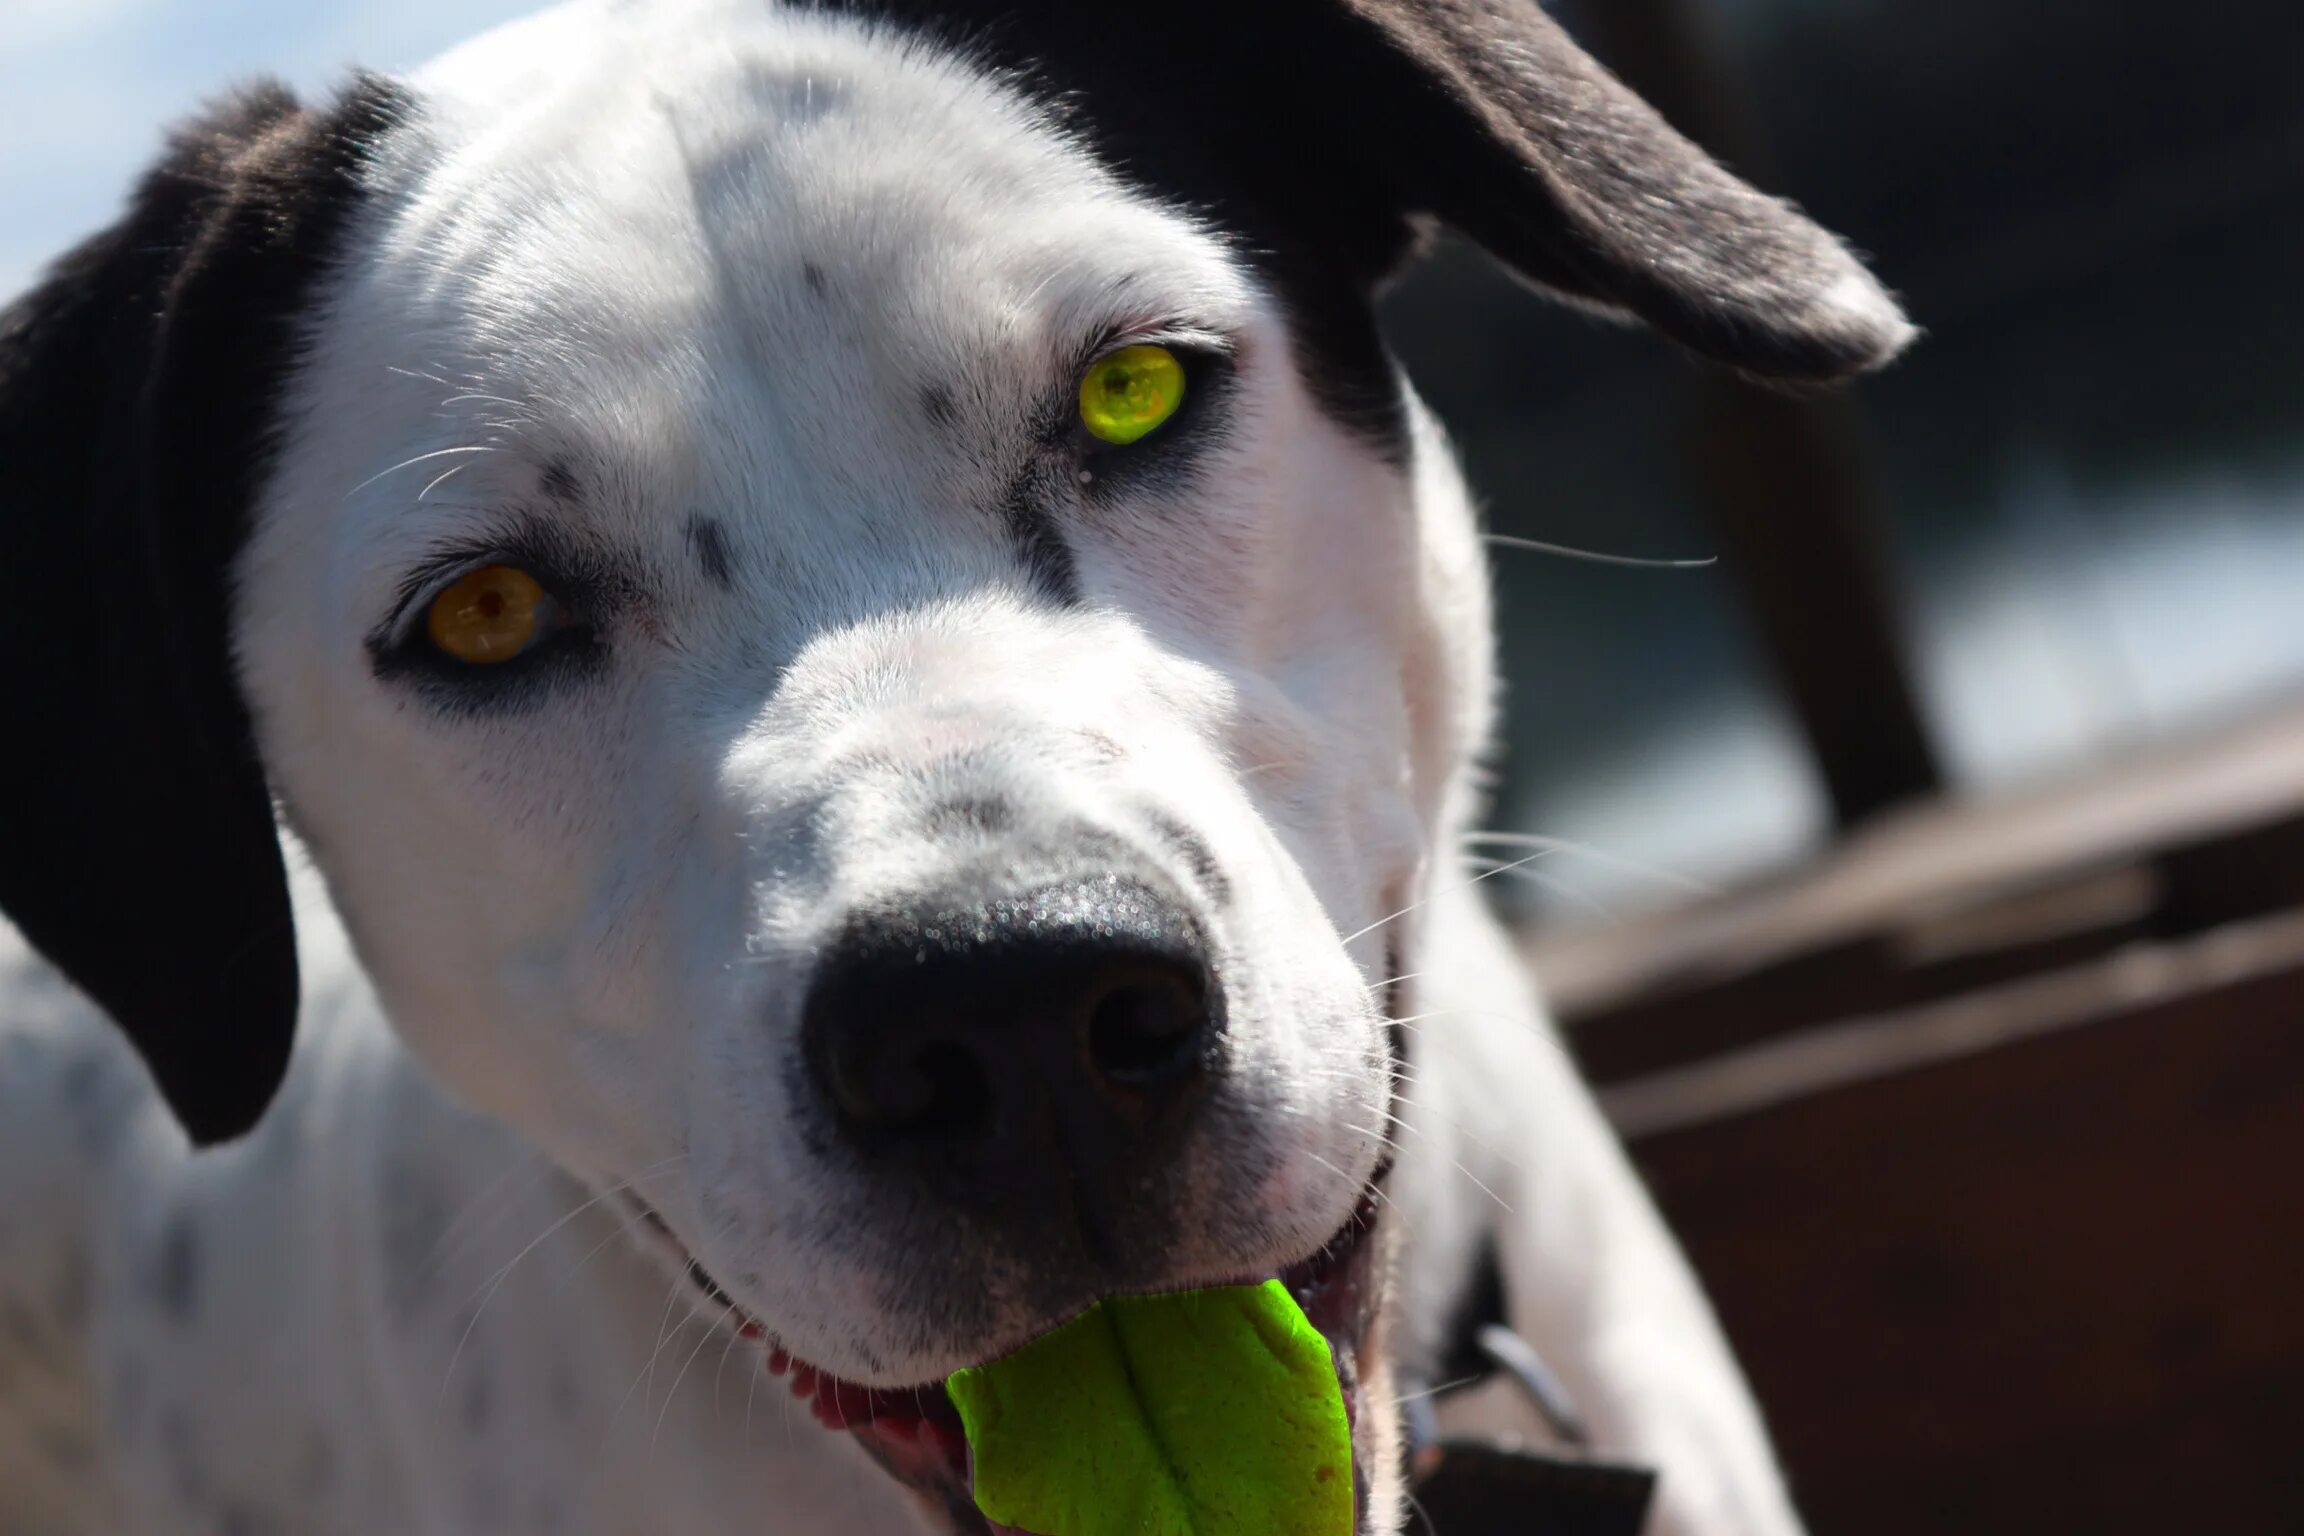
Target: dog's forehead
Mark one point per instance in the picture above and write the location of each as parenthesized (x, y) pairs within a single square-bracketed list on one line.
[(716, 195)]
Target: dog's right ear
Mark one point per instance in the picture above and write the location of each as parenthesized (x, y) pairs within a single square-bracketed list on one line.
[(139, 386)]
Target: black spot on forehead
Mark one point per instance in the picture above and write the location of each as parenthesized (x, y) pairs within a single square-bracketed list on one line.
[(813, 276), (559, 482), (708, 541), (937, 405)]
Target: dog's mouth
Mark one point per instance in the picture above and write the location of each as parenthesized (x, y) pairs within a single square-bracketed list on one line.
[(915, 1432)]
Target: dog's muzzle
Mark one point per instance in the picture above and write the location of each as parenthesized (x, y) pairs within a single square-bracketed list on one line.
[(1044, 1057)]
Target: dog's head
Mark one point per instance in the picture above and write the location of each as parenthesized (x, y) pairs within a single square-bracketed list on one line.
[(842, 596)]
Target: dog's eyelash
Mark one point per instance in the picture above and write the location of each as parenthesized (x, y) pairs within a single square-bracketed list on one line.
[(1184, 337)]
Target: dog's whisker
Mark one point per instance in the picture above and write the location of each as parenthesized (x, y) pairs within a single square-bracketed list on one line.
[(446, 475), (1481, 1185), (1427, 1393), (476, 395), (490, 1288), (1392, 981), (443, 1246), (673, 1391), (647, 1371), (1403, 1075), (1630, 866), (437, 453), (1381, 1138), (1347, 1178), (720, 1371), (1435, 895), (1552, 883), (1598, 557), (622, 1229), (751, 1389), (416, 373)]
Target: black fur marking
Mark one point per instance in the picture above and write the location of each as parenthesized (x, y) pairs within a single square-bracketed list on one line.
[(708, 541), (1324, 134), (973, 813), (813, 276), (936, 404), (559, 482), (1029, 509), (139, 392), (1193, 849)]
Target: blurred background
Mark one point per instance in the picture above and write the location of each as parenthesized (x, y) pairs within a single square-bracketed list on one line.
[(1918, 854)]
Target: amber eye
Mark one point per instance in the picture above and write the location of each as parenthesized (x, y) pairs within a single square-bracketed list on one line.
[(488, 615)]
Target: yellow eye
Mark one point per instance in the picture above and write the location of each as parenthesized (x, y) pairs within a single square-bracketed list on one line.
[(1128, 393), (488, 615)]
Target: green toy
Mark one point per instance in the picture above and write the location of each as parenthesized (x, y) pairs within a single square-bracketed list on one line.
[(1211, 1413)]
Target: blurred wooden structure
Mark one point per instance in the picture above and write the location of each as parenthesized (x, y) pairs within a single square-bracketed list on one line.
[(1987, 1134), (1986, 1131)]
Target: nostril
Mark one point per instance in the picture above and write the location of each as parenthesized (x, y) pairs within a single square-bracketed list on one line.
[(1148, 1031), (916, 1086)]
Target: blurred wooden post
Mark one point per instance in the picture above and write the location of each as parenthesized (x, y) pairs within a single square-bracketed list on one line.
[(1783, 477)]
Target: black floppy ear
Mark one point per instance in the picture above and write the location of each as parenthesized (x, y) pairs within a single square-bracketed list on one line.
[(1488, 117), (139, 383), (1327, 132)]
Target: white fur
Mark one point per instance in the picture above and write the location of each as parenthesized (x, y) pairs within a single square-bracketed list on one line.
[(589, 921)]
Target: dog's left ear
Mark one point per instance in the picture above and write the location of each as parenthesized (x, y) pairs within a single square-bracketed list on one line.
[(1330, 131), (1485, 115), (139, 387)]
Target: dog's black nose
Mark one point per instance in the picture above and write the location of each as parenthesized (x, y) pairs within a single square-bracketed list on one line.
[(1015, 1046)]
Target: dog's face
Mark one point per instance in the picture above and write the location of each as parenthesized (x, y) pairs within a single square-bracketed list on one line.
[(861, 627), (864, 654)]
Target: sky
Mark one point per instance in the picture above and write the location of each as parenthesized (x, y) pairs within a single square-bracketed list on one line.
[(87, 87)]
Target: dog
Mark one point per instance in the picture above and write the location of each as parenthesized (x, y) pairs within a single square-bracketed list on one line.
[(732, 701)]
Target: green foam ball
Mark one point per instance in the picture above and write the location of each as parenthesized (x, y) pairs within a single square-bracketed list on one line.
[(1209, 1413)]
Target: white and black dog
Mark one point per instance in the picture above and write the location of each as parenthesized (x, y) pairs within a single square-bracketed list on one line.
[(873, 677)]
